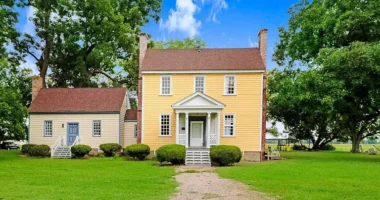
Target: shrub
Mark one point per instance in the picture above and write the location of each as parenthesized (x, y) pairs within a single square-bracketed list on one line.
[(298, 147), (25, 149), (42, 150), (80, 150), (328, 147), (139, 151), (173, 153), (110, 149), (223, 155)]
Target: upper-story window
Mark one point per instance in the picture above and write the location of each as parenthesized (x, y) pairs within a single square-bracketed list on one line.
[(199, 84), (229, 85), (166, 85)]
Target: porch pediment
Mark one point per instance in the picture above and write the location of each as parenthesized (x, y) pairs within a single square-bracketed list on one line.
[(198, 100)]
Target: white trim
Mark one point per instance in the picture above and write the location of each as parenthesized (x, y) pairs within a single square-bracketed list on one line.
[(203, 72), (191, 132), (171, 84), (204, 83), (198, 110), (177, 128), (187, 129), (224, 88), (261, 112), (224, 124), (218, 129), (142, 110), (170, 123), (217, 103), (208, 132)]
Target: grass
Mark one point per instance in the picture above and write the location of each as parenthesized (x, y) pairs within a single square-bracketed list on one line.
[(312, 175), (95, 178)]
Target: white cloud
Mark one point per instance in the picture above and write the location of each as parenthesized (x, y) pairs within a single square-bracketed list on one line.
[(29, 27), (182, 18), (251, 43), (217, 7)]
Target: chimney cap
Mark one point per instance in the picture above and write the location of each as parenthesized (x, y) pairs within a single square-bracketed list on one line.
[(262, 30), (143, 34)]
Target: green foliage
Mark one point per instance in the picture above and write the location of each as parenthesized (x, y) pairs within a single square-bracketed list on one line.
[(328, 147), (297, 147), (186, 43), (41, 150), (110, 149), (8, 19), (139, 151), (173, 153), (80, 150), (224, 155), (25, 148)]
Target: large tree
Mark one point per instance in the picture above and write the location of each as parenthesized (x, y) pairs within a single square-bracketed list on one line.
[(8, 19), (186, 43), (320, 35)]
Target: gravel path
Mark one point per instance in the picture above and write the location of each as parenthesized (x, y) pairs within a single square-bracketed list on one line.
[(202, 183)]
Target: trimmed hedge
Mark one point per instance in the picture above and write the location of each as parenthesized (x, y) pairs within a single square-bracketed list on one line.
[(139, 151), (110, 149), (299, 147), (224, 155), (328, 147), (25, 148), (42, 150), (173, 153), (80, 150)]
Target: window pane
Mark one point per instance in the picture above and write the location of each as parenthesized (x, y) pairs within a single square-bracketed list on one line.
[(229, 125), (230, 85), (97, 128), (165, 125), (165, 85), (48, 128), (199, 83)]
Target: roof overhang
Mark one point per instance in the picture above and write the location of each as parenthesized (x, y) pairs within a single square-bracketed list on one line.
[(198, 101), (202, 71)]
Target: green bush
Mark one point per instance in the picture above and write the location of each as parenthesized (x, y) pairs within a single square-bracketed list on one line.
[(80, 150), (139, 151), (25, 148), (173, 153), (298, 147), (42, 150), (223, 155), (328, 147), (110, 149)]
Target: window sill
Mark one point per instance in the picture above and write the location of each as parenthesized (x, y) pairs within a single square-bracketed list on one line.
[(229, 136), (165, 95), (164, 135), (229, 94), (48, 136), (96, 136)]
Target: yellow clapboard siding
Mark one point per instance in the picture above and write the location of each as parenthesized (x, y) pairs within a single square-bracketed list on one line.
[(246, 105), (109, 123)]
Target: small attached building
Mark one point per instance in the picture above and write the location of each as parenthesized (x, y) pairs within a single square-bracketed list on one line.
[(95, 115)]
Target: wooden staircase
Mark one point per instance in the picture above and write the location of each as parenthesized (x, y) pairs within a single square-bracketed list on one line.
[(198, 156), (62, 152)]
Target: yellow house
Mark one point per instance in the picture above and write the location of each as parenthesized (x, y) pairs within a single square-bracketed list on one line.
[(203, 97)]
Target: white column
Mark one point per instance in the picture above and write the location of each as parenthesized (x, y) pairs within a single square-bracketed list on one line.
[(187, 130), (208, 129), (177, 128), (218, 128)]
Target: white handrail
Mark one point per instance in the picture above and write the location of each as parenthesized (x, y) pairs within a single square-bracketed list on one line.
[(76, 141), (57, 143)]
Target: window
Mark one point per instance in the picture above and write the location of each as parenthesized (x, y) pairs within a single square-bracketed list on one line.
[(165, 125), (96, 128), (166, 83), (135, 131), (229, 85), (199, 84), (48, 128), (229, 124)]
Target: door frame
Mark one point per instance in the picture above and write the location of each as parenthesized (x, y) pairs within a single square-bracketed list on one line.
[(191, 132), (67, 131)]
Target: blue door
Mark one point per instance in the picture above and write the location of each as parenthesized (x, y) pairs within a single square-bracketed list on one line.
[(72, 132)]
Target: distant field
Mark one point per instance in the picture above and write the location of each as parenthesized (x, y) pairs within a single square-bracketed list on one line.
[(339, 147)]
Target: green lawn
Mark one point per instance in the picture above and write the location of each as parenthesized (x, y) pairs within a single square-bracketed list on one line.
[(95, 178), (348, 147), (312, 175)]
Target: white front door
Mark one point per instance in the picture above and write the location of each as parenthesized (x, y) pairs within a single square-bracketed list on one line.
[(196, 134)]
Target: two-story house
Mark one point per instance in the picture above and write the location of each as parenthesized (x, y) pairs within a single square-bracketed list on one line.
[(203, 97)]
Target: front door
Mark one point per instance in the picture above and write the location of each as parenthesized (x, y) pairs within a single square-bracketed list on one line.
[(72, 132), (196, 134)]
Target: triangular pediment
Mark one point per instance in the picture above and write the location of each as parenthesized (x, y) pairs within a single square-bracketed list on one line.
[(198, 100)]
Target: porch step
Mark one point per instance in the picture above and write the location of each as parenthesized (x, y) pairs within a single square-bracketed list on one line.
[(62, 152), (198, 157)]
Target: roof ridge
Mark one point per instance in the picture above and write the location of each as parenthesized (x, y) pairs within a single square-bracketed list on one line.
[(86, 88), (222, 48)]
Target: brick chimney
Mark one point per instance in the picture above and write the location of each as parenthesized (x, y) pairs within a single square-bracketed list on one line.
[(36, 86), (263, 35), (143, 47)]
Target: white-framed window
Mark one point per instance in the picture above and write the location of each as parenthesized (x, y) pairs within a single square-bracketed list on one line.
[(230, 85), (48, 128), (96, 128), (229, 125), (165, 125), (135, 131), (166, 85), (199, 84)]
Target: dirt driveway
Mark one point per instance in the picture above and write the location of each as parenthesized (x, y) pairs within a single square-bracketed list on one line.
[(203, 183)]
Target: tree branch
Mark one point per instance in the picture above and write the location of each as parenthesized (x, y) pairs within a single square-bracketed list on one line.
[(30, 53)]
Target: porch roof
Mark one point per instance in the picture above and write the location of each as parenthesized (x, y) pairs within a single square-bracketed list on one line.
[(198, 100)]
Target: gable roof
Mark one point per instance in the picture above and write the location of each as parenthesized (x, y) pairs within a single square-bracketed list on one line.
[(198, 100), (205, 59), (131, 115), (78, 100)]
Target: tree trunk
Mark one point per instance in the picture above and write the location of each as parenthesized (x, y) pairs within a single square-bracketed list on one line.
[(355, 144)]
